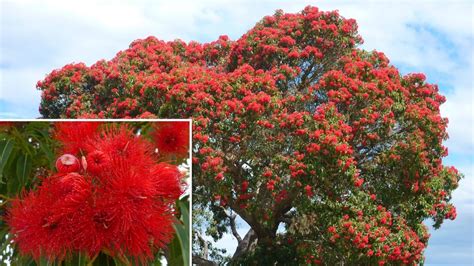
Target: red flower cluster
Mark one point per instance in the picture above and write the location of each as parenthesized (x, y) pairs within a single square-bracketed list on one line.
[(370, 233), (116, 198)]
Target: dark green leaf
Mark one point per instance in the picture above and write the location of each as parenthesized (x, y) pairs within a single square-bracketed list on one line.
[(105, 260), (182, 232), (23, 168), (13, 183), (6, 147), (175, 252), (178, 249)]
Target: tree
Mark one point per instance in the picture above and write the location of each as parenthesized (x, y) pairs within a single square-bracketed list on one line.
[(93, 193), (293, 125)]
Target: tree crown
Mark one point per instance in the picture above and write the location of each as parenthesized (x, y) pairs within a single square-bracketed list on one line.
[(293, 124)]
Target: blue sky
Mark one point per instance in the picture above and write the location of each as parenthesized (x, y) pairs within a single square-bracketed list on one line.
[(433, 37)]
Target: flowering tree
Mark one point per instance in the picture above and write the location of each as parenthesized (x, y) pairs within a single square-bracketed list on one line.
[(108, 198), (293, 125)]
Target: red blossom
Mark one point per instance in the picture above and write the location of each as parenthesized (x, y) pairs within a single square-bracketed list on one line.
[(75, 135), (358, 182), (308, 190), (97, 161), (172, 138)]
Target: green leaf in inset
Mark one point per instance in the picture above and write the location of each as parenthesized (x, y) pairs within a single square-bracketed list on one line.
[(184, 209), (175, 252), (178, 249), (183, 231), (6, 147), (23, 168)]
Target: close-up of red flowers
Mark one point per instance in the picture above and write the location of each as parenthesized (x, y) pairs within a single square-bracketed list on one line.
[(107, 193)]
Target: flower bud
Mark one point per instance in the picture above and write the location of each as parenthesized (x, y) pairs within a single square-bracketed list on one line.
[(67, 163)]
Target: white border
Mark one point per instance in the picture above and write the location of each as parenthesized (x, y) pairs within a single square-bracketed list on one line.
[(138, 120), (190, 190)]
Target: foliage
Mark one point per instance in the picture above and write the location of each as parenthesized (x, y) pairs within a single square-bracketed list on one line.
[(45, 195), (292, 124)]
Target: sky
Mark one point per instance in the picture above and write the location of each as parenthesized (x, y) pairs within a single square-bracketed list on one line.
[(432, 37)]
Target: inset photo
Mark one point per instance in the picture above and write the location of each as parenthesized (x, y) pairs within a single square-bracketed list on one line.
[(95, 192)]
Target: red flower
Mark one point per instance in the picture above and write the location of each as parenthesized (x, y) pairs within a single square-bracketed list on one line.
[(271, 185), (219, 176), (39, 221), (166, 179), (172, 138), (74, 135), (358, 182), (332, 229), (96, 161), (119, 146), (309, 191), (33, 226), (245, 186)]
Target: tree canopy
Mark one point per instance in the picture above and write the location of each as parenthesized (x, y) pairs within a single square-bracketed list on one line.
[(294, 125)]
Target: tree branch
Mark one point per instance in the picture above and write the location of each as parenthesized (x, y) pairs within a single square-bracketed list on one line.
[(203, 262), (245, 245), (232, 217), (204, 243)]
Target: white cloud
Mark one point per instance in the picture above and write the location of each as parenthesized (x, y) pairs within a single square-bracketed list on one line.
[(463, 196), (458, 108), (452, 244), (20, 78)]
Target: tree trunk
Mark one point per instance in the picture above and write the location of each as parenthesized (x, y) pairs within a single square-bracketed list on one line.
[(247, 244), (267, 244)]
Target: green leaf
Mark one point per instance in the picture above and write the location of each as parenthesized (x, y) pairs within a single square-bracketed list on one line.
[(179, 248), (23, 261), (157, 261), (184, 208), (13, 182), (44, 262), (6, 147), (23, 168), (77, 259), (46, 145), (105, 260), (183, 230), (175, 255)]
